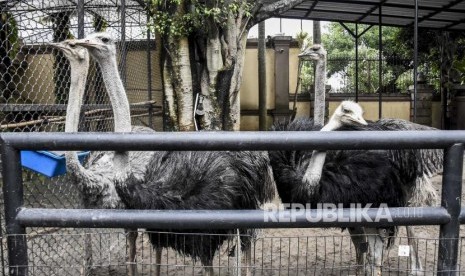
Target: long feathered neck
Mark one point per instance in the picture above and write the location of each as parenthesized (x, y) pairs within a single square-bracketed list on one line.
[(120, 106), (117, 94), (75, 98), (320, 80), (314, 170)]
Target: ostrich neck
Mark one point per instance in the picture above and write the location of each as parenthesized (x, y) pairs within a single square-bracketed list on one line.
[(75, 98), (120, 106), (76, 94), (320, 80), (117, 94), (314, 170)]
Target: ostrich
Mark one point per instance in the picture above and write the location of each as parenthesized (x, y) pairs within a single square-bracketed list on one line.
[(342, 177), (185, 180), (418, 165), (95, 182)]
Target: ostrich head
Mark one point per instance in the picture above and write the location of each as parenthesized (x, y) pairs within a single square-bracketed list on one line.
[(315, 52), (348, 113), (72, 52), (100, 45)]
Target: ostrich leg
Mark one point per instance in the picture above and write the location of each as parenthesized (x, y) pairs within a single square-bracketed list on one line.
[(131, 245), (158, 251), (357, 235), (248, 261), (208, 269), (375, 252), (415, 263)]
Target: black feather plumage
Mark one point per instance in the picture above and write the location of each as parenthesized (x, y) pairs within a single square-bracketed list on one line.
[(415, 165), (202, 181), (347, 177)]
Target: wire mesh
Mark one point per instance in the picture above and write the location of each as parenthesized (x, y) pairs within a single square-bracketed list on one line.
[(396, 77), (34, 80), (34, 83), (271, 254)]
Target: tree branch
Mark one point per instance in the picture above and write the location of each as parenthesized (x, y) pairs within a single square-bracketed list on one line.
[(268, 10)]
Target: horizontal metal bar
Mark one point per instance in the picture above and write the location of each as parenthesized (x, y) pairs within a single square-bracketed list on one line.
[(63, 107), (272, 140), (231, 219)]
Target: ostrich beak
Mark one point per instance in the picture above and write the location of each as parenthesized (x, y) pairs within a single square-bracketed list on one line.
[(86, 43), (55, 45), (360, 120)]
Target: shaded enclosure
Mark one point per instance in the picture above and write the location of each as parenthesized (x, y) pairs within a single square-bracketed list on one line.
[(34, 80), (34, 83)]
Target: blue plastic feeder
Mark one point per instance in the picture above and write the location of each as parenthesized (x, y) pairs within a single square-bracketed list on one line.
[(47, 163)]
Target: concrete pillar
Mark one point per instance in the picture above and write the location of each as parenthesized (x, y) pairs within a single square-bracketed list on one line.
[(281, 77)]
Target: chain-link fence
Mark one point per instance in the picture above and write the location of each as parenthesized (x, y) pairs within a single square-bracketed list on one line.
[(396, 74), (34, 84)]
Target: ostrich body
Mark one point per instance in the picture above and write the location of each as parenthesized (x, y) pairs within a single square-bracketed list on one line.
[(96, 182), (185, 180), (415, 166), (341, 177), (418, 165)]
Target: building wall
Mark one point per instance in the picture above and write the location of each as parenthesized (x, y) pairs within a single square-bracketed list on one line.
[(37, 86), (38, 83)]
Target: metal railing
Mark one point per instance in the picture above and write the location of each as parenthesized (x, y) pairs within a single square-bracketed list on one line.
[(449, 215)]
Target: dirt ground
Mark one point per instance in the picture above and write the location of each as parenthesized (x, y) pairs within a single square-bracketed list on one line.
[(275, 252)]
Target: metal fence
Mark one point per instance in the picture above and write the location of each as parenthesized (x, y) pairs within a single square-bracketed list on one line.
[(35, 77), (277, 258), (397, 74), (34, 82)]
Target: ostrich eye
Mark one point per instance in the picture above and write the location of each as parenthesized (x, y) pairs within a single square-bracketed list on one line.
[(105, 39)]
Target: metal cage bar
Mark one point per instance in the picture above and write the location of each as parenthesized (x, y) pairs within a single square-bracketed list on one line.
[(17, 218), (13, 197), (451, 190), (253, 140), (227, 219)]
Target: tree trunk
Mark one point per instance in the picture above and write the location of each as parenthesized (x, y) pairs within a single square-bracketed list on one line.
[(208, 60), (177, 81)]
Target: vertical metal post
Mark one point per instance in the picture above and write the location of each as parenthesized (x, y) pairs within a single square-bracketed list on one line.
[(356, 62), (262, 77), (80, 15), (13, 195), (149, 74), (380, 63), (1, 249), (415, 62), (449, 234), (123, 42)]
